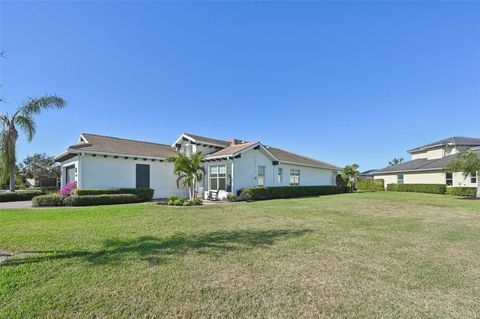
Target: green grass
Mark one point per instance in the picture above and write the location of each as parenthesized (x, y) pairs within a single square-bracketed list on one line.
[(361, 255)]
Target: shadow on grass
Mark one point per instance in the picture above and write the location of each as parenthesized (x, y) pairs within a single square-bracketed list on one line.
[(158, 250)]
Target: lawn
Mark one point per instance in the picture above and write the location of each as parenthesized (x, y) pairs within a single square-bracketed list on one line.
[(361, 255)]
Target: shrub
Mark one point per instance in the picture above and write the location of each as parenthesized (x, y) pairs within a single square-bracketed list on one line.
[(142, 194), (231, 198), (197, 201), (259, 193), (374, 185), (174, 200), (48, 201), (45, 189), (68, 189), (462, 191), (418, 188), (105, 199), (19, 195), (178, 202)]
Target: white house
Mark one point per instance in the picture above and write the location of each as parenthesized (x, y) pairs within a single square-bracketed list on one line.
[(429, 162), (108, 162)]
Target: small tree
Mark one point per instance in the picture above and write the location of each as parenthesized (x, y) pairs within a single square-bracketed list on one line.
[(22, 118), (351, 174), (467, 162), (395, 161), (189, 171), (40, 166)]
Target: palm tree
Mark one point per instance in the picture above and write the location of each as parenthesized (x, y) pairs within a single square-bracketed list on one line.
[(467, 162), (395, 161), (351, 174), (23, 118), (189, 171)]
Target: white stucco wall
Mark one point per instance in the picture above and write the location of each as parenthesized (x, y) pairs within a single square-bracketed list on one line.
[(245, 172), (388, 179), (100, 172), (435, 177)]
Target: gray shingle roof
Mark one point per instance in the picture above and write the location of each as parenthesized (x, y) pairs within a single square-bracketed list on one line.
[(454, 140), (107, 144), (299, 159), (115, 145), (421, 164), (230, 150)]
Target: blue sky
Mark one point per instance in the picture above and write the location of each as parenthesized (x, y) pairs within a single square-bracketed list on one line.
[(342, 82)]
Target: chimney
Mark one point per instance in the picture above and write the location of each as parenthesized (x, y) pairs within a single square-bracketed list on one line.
[(235, 141)]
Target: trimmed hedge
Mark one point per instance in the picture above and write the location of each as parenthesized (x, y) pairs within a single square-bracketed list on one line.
[(462, 191), (48, 201), (142, 194), (418, 188), (19, 195), (86, 200), (375, 185), (259, 193), (45, 189), (105, 199)]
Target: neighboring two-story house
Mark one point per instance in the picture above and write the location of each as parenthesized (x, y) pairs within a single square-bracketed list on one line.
[(107, 162), (429, 162)]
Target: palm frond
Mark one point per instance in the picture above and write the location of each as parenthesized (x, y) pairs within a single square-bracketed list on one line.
[(36, 105), (467, 162), (27, 124)]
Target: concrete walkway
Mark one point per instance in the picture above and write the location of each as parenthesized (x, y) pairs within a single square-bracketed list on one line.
[(22, 204)]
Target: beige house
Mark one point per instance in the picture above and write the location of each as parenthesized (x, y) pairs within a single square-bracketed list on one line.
[(428, 164)]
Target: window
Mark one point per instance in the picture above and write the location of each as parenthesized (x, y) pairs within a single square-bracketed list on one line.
[(400, 178), (280, 175), (294, 177), (449, 179), (187, 149), (218, 177), (473, 178), (261, 176)]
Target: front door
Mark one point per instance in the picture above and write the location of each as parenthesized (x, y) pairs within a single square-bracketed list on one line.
[(69, 174), (143, 176)]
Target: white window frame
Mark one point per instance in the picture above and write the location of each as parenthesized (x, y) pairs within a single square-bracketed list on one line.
[(447, 179), (280, 175), (295, 177), (218, 178), (402, 179), (473, 178), (261, 176)]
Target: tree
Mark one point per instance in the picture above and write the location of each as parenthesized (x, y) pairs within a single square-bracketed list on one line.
[(23, 118), (351, 174), (189, 171), (40, 166), (395, 161), (467, 162)]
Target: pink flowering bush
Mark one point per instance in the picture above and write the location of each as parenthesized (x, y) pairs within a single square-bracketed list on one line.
[(68, 189)]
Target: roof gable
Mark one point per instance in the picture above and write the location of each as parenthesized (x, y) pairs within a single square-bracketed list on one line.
[(201, 140)]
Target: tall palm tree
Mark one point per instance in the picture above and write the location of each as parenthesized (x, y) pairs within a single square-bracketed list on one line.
[(395, 161), (189, 171), (467, 162), (351, 174), (22, 118)]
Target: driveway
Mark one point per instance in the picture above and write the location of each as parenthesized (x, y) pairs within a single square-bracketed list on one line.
[(22, 204)]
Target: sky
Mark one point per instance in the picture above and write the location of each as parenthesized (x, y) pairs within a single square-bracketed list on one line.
[(342, 82)]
